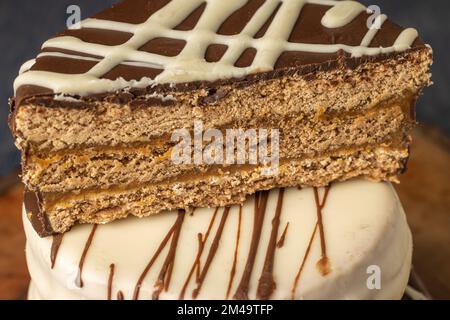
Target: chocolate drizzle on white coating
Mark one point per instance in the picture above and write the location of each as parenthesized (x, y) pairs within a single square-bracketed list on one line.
[(165, 275), (190, 64), (323, 265), (79, 281), (56, 244), (266, 283)]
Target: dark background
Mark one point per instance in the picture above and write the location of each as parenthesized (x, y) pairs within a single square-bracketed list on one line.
[(26, 24)]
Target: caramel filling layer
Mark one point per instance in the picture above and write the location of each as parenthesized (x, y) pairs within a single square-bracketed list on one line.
[(160, 149), (65, 200), (158, 146)]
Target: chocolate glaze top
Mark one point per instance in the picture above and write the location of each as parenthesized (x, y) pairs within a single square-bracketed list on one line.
[(254, 19)]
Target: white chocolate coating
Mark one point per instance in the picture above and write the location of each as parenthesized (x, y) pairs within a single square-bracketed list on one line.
[(363, 224), (190, 65)]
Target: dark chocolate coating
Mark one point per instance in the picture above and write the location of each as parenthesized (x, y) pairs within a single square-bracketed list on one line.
[(38, 218), (308, 29)]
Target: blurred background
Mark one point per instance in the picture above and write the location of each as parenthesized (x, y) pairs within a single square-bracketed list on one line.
[(26, 24)]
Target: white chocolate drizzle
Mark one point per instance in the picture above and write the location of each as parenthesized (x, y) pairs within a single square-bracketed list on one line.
[(342, 14), (405, 39), (27, 66), (190, 65), (368, 38)]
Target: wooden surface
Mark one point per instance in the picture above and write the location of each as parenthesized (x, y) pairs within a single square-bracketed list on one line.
[(424, 191), (425, 194), (13, 271)]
